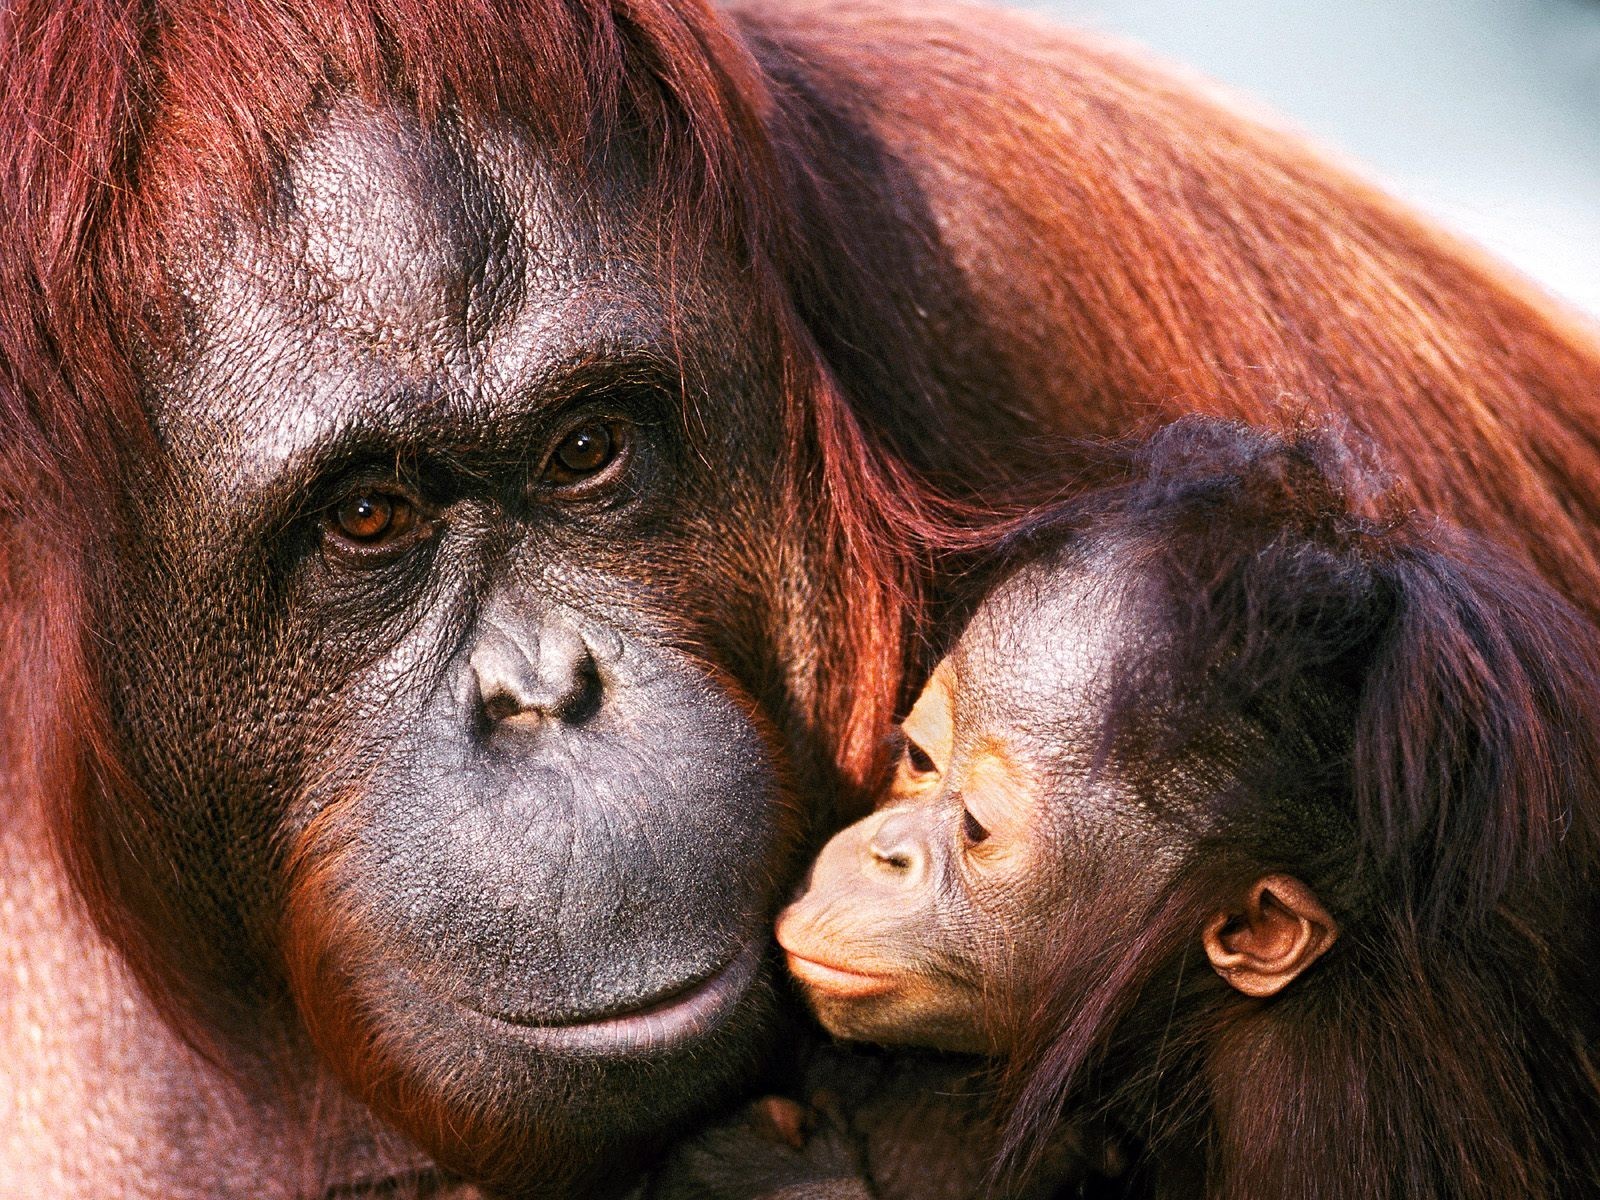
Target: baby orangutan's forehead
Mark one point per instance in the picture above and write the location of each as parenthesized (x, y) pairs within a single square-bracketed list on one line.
[(1036, 659)]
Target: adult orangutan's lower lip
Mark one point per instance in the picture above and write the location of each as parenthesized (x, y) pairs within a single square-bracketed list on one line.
[(836, 981), (662, 1023)]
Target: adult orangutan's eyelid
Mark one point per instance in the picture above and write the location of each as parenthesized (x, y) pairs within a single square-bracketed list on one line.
[(366, 463), (398, 569), (642, 383)]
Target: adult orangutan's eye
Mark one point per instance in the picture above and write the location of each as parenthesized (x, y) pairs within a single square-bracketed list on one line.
[(373, 516), (373, 521), (584, 454), (971, 829)]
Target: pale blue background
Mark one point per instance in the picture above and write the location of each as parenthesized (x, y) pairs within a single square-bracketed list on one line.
[(1484, 112)]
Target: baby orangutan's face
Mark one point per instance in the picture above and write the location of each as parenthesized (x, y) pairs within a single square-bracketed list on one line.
[(923, 919), (894, 937), (1009, 860)]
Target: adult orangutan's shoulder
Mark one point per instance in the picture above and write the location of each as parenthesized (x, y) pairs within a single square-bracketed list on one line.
[(1080, 237)]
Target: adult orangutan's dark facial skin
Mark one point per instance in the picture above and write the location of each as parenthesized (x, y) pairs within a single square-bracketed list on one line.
[(418, 636)]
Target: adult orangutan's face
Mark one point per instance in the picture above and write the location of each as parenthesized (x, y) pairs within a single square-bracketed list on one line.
[(433, 637)]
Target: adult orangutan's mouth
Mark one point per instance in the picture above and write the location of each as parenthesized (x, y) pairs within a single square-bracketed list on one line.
[(660, 1023)]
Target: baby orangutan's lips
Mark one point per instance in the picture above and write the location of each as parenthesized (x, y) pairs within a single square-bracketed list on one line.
[(795, 937), (836, 981)]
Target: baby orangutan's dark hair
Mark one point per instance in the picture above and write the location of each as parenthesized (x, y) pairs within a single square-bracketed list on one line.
[(1324, 684)]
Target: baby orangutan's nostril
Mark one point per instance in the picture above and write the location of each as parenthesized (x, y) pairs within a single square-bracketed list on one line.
[(894, 844), (897, 860)]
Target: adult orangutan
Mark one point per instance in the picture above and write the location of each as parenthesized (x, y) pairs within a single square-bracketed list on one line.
[(457, 464)]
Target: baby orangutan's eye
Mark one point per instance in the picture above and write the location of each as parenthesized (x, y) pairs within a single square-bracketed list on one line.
[(918, 761), (971, 830)]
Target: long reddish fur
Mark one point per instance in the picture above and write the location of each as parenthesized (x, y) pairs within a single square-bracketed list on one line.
[(1116, 248), (124, 122)]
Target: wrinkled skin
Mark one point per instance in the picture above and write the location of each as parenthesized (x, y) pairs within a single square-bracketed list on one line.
[(926, 922), (426, 474)]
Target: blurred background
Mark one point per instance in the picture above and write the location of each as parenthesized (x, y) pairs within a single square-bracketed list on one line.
[(1485, 113)]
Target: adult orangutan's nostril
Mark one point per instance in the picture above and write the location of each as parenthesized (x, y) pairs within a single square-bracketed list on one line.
[(582, 699), (547, 675)]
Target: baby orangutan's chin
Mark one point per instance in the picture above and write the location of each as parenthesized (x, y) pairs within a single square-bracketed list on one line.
[(903, 1010)]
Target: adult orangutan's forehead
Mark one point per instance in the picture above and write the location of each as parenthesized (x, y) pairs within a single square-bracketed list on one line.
[(394, 233), (402, 269)]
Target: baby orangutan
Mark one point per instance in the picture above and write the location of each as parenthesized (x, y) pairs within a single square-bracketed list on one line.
[(1253, 817)]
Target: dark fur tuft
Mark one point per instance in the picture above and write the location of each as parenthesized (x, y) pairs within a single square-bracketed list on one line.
[(1409, 721)]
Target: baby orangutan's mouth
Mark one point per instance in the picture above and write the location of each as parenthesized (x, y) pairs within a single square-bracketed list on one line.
[(811, 966), (835, 980)]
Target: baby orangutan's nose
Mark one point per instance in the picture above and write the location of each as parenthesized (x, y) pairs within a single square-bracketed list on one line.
[(896, 849)]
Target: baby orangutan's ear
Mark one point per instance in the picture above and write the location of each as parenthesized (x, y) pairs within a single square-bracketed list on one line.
[(1263, 944)]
